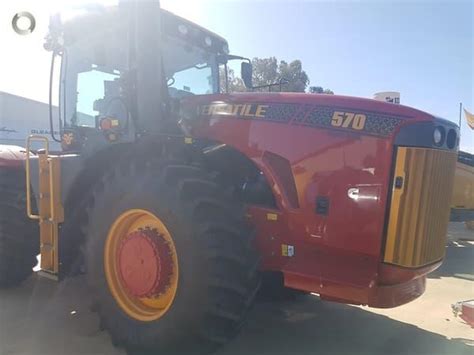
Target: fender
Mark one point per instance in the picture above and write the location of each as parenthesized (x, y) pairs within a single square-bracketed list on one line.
[(12, 156)]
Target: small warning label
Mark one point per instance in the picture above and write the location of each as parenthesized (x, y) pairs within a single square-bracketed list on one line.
[(287, 250), (291, 250)]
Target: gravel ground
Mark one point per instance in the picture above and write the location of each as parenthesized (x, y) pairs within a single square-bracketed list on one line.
[(42, 317)]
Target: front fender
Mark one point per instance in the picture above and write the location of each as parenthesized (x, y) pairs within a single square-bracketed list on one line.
[(12, 156)]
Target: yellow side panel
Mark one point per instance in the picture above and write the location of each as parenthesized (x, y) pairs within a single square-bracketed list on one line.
[(419, 208), (50, 211)]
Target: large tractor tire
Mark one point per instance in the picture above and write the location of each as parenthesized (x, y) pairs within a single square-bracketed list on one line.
[(19, 238), (170, 260)]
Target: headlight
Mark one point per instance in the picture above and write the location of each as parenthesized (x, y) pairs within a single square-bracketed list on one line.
[(438, 136), (208, 41), (451, 141)]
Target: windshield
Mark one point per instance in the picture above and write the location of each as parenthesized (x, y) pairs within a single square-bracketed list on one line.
[(95, 78), (189, 70), (194, 81)]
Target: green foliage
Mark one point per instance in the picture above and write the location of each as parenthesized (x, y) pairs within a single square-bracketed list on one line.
[(320, 90), (267, 71), (293, 72), (236, 84), (316, 89)]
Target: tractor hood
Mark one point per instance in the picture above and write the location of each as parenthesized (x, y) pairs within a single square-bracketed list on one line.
[(344, 113)]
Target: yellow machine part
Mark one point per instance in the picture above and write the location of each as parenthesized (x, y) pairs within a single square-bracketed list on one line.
[(419, 209), (140, 308), (463, 192), (50, 209)]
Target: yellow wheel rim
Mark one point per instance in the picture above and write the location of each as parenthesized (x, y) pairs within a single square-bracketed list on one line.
[(141, 265)]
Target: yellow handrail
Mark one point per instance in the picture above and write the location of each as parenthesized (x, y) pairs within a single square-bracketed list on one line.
[(30, 139), (51, 192)]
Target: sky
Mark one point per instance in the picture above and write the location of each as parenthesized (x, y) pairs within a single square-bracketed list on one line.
[(423, 49)]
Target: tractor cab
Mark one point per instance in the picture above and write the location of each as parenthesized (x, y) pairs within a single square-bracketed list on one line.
[(101, 73)]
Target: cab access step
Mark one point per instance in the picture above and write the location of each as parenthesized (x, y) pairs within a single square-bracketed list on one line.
[(50, 212)]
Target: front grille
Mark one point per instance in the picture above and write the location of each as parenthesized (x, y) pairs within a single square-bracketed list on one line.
[(419, 209)]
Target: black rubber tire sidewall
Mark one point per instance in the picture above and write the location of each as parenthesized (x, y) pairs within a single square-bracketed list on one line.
[(19, 235), (186, 312)]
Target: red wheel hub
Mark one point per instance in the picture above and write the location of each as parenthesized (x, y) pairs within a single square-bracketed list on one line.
[(145, 263)]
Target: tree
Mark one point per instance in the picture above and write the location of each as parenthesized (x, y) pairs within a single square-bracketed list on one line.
[(320, 90), (295, 75), (236, 84), (316, 89), (267, 71)]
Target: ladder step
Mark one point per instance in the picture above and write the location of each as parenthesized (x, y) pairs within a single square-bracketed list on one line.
[(48, 275), (47, 247)]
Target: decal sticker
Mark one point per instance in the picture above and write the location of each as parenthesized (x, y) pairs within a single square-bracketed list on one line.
[(68, 138), (287, 250), (348, 120), (291, 250), (372, 123), (366, 122), (282, 112), (70, 141), (238, 110), (272, 216), (268, 112)]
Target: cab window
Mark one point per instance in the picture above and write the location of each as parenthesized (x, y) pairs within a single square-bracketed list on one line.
[(192, 81)]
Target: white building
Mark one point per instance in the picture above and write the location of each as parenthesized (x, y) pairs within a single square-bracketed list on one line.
[(20, 117)]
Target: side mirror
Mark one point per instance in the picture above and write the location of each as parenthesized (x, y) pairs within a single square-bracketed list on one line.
[(246, 74)]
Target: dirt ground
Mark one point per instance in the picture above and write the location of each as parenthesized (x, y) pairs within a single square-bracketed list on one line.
[(42, 317)]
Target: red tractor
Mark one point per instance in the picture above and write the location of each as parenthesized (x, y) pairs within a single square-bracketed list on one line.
[(176, 199)]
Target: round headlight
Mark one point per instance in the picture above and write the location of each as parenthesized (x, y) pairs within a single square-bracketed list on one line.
[(451, 141), (438, 136), (208, 41)]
